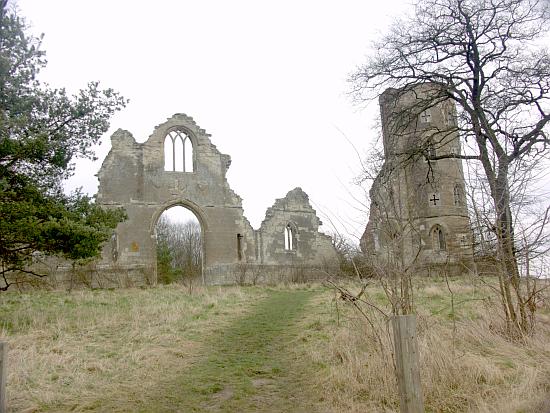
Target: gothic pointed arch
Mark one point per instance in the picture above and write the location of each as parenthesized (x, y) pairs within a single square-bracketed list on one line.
[(457, 194), (437, 234), (290, 232), (431, 151), (178, 151), (150, 177)]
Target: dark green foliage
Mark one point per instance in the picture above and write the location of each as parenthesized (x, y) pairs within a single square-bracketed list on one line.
[(42, 131), (165, 272)]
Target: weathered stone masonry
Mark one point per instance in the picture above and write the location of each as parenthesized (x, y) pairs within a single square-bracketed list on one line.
[(419, 215), (133, 176)]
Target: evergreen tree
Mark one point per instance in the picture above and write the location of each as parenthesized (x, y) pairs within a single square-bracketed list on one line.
[(42, 132)]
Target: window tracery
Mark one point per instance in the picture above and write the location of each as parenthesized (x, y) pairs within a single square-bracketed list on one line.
[(178, 152), (290, 238)]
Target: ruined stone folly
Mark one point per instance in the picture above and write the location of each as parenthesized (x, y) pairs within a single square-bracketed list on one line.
[(179, 165), (419, 215)]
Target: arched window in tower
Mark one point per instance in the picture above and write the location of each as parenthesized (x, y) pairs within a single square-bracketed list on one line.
[(430, 150), (449, 115), (290, 239), (438, 238), (457, 195), (178, 152)]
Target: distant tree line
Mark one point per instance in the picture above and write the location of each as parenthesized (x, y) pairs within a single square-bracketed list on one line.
[(179, 251)]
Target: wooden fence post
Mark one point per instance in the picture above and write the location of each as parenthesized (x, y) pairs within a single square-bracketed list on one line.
[(406, 357), (3, 376)]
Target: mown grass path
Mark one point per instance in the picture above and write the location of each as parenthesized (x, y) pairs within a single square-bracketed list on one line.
[(247, 366)]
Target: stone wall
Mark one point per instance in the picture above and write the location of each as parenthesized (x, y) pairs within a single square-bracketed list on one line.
[(134, 176), (308, 246)]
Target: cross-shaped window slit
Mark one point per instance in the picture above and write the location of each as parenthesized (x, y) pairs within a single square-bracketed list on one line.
[(426, 116), (434, 199)]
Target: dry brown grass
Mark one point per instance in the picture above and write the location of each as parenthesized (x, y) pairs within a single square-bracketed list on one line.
[(82, 350), (103, 350), (467, 363)]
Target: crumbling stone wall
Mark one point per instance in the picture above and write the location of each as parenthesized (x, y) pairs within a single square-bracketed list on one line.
[(418, 214), (295, 214), (133, 176)]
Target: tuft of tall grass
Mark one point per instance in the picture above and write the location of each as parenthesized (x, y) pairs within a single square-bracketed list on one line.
[(88, 350), (467, 362), (96, 350)]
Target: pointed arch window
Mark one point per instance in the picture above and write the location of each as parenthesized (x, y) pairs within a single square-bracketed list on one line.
[(449, 115), (430, 150), (457, 195), (376, 239), (290, 238), (438, 238), (178, 152)]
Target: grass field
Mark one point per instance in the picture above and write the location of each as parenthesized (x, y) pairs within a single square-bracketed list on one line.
[(265, 349)]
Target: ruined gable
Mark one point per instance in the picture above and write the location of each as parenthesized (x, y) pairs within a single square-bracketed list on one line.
[(290, 233), (179, 165)]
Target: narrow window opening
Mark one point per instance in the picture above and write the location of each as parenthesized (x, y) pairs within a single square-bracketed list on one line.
[(456, 195), (289, 238), (239, 247), (431, 153), (441, 239), (168, 154), (376, 241), (188, 155), (179, 165), (438, 239), (114, 246), (449, 115)]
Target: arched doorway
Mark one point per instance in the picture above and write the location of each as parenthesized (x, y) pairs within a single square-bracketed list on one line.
[(179, 246)]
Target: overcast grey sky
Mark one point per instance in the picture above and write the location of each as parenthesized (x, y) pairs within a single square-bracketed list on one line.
[(267, 79)]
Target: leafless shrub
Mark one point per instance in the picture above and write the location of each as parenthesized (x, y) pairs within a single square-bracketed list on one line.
[(468, 361), (240, 272), (488, 58), (256, 272)]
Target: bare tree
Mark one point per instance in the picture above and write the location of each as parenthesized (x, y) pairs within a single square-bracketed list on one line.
[(347, 253), (179, 250), (483, 56)]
